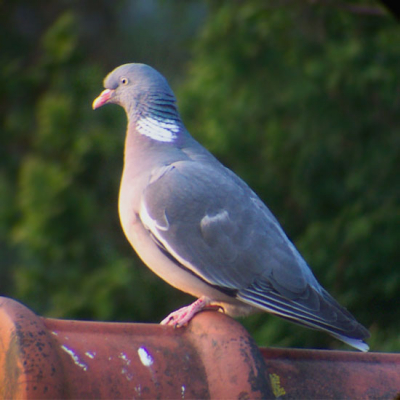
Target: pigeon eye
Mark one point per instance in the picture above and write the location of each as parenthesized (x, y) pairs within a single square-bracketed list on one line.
[(124, 80)]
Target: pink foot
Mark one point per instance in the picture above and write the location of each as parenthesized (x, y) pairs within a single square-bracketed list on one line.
[(185, 314)]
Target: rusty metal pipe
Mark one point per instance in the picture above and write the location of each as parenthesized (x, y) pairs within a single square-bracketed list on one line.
[(213, 357)]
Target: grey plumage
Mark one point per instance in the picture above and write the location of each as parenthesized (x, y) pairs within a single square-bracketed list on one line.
[(199, 226)]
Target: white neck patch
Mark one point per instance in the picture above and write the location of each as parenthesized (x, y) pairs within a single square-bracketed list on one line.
[(162, 130)]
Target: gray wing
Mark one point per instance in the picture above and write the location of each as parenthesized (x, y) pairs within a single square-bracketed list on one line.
[(212, 223)]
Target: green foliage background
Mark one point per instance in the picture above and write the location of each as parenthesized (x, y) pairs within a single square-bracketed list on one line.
[(300, 99)]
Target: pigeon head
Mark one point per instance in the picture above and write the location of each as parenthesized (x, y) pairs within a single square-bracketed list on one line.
[(129, 83), (146, 97)]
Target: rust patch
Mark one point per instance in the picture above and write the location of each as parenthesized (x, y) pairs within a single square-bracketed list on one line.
[(12, 369), (29, 367)]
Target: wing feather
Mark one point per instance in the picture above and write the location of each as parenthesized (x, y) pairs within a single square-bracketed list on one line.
[(219, 229)]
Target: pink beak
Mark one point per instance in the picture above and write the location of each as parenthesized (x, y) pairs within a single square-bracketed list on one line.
[(102, 99)]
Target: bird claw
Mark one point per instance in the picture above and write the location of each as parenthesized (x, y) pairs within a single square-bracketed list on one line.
[(183, 316), (177, 318)]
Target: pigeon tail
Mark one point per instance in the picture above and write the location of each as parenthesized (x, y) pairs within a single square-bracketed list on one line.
[(338, 322), (356, 343)]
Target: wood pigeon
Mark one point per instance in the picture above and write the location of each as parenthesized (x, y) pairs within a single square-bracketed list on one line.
[(200, 227)]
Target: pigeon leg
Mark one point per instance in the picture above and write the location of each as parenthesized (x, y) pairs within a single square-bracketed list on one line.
[(182, 316)]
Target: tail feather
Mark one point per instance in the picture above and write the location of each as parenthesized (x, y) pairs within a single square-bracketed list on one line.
[(356, 343), (330, 316)]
